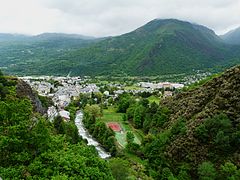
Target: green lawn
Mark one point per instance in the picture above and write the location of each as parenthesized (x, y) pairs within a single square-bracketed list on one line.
[(154, 99), (110, 115), (133, 88), (121, 138)]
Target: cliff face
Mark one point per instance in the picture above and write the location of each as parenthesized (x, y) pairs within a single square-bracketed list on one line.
[(24, 90)]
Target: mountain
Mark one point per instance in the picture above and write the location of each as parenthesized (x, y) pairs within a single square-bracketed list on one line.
[(202, 127), (47, 36), (20, 50), (232, 37), (5, 37), (162, 46)]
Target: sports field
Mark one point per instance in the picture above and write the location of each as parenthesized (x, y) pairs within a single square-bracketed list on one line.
[(114, 121), (114, 126)]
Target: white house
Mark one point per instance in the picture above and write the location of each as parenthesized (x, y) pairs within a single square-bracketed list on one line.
[(65, 115)]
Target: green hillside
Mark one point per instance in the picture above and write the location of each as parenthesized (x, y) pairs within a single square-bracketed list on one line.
[(232, 37), (200, 136), (25, 51), (160, 47)]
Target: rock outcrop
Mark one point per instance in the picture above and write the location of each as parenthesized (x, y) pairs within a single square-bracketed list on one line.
[(24, 90)]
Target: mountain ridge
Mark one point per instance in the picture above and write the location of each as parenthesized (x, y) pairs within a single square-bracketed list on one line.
[(232, 37), (194, 127), (166, 46)]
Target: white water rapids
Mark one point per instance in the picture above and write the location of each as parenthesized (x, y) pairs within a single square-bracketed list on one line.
[(85, 135)]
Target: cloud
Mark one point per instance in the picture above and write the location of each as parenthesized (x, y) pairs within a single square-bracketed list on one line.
[(112, 17)]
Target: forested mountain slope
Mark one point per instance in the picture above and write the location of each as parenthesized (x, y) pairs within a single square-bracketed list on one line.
[(232, 37), (18, 51), (198, 136), (162, 46)]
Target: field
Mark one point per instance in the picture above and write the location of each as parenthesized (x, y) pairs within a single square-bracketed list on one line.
[(133, 88), (154, 99), (110, 116)]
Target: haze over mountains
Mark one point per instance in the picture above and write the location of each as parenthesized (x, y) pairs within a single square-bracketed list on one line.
[(162, 46), (232, 37), (19, 37)]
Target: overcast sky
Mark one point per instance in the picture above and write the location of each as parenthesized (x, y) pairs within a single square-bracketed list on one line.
[(112, 17)]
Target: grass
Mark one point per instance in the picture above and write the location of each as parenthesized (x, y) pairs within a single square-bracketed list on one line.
[(133, 88), (121, 139), (110, 115), (134, 158), (154, 99)]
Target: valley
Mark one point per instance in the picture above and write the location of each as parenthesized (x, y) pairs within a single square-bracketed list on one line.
[(158, 102), (157, 129)]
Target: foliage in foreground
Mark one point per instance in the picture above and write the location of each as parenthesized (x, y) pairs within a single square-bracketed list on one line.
[(33, 148)]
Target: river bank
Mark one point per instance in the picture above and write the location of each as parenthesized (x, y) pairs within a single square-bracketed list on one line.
[(85, 135)]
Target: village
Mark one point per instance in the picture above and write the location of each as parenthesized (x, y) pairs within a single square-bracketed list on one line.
[(62, 90)]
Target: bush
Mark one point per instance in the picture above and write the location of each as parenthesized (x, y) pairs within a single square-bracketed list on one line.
[(206, 171)]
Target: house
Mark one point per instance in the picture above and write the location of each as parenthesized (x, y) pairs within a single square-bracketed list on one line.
[(65, 115), (106, 93), (167, 94), (52, 112), (167, 85)]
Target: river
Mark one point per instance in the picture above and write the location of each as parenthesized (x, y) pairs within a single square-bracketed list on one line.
[(85, 135)]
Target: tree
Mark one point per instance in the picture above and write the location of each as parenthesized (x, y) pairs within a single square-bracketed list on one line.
[(93, 110), (119, 168), (162, 116), (229, 171), (153, 108), (15, 123), (214, 128), (144, 102), (130, 111), (179, 127), (124, 103), (40, 136), (147, 123), (3, 86), (58, 124), (206, 171), (222, 142), (71, 132), (139, 114), (183, 175), (124, 117), (130, 137), (167, 174)]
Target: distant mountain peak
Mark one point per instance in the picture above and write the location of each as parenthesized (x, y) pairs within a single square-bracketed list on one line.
[(12, 37), (161, 46), (62, 35), (232, 37)]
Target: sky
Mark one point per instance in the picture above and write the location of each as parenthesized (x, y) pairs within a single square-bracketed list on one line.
[(112, 17)]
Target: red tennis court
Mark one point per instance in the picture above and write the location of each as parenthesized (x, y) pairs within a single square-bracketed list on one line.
[(114, 126)]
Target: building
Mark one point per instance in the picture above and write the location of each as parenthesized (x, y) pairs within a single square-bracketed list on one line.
[(167, 94), (65, 115)]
